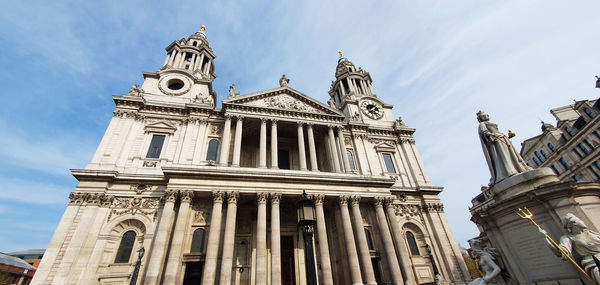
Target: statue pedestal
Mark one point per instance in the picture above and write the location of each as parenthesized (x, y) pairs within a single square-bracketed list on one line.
[(523, 182)]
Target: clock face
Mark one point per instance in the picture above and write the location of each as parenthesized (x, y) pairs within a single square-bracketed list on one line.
[(372, 109)]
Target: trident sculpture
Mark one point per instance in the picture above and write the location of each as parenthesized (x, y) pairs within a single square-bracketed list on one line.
[(527, 215)]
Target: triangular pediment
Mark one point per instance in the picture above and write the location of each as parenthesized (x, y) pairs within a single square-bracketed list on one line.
[(161, 127), (283, 98)]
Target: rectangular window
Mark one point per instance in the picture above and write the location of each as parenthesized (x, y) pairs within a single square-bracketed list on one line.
[(564, 163), (389, 163), (555, 169), (155, 146), (594, 172)]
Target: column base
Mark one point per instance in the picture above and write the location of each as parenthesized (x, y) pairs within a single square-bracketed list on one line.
[(275, 167), (234, 165)]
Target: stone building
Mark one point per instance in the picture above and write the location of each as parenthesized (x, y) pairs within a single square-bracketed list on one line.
[(572, 147), (211, 193)]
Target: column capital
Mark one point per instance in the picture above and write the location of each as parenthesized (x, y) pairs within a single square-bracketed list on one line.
[(275, 198), (310, 124), (186, 195), (274, 121), (232, 197), (318, 199), (355, 200), (262, 197), (300, 123), (263, 120), (218, 196), (170, 196), (228, 116), (343, 200), (389, 201), (379, 201), (239, 117)]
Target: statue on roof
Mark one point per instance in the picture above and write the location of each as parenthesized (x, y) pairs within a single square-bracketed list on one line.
[(284, 81), (232, 91), (597, 81), (502, 158), (135, 90)]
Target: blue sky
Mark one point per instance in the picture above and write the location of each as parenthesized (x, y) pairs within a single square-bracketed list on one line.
[(437, 62)]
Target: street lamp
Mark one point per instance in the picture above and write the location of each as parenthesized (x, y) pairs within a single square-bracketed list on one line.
[(136, 270), (307, 221), (435, 269)]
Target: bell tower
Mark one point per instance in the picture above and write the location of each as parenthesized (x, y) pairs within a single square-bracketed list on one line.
[(186, 75), (352, 93)]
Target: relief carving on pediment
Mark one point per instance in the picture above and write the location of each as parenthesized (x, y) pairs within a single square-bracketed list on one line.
[(285, 102), (128, 205)]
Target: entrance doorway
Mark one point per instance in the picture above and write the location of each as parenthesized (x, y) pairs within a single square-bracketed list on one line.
[(288, 276)]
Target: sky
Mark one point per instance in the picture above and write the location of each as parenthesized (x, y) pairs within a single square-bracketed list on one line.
[(437, 62)]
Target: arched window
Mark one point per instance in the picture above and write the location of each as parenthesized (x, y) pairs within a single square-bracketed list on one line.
[(569, 131), (564, 163), (125, 248), (537, 154), (551, 147), (589, 113), (213, 149), (543, 153), (198, 241), (412, 243), (351, 160), (555, 169), (535, 161), (583, 148)]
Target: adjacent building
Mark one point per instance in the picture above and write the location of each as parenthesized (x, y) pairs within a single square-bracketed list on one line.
[(181, 191), (572, 147)]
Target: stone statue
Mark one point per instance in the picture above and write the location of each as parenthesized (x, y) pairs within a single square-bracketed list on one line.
[(580, 243), (502, 158), (135, 90), (487, 264), (597, 81), (331, 103), (232, 91), (284, 81)]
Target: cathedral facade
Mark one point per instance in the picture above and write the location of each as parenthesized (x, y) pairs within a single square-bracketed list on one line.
[(181, 191)]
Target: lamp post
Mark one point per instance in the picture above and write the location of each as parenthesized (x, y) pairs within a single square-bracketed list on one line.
[(136, 270), (307, 221), (435, 269)]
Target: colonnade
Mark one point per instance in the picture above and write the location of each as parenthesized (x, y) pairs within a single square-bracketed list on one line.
[(339, 164), (358, 255)]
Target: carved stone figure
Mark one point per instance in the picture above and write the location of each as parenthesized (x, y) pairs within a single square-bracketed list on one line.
[(232, 91), (487, 265), (502, 158), (135, 90), (597, 81), (284, 81), (331, 103), (580, 243)]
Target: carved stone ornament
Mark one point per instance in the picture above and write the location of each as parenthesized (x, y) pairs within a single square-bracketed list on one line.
[(285, 102), (355, 200), (378, 202), (233, 196), (218, 196), (141, 188), (318, 198), (203, 99), (343, 200), (186, 195), (284, 81), (201, 211), (347, 140), (407, 210), (275, 198), (261, 197), (434, 207), (150, 163), (401, 197), (129, 205), (170, 196), (215, 130), (99, 199)]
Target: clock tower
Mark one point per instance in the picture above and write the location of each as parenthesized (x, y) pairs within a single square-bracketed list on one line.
[(352, 94)]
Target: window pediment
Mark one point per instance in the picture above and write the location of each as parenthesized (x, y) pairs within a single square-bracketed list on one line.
[(385, 147), (163, 127)]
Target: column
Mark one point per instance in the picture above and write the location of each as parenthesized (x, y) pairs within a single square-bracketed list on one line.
[(175, 254), (228, 239), (405, 264), (363, 247), (261, 240), (274, 157), (171, 59), (159, 247), (212, 248), (343, 150), (224, 154), (262, 158), (237, 143), (199, 63), (350, 244), (334, 153), (388, 243), (301, 151), (275, 240), (311, 147), (323, 246)]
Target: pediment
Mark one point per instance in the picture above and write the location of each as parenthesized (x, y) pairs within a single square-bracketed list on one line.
[(161, 127), (385, 146), (284, 98)]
